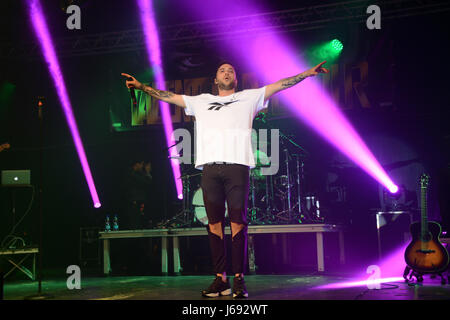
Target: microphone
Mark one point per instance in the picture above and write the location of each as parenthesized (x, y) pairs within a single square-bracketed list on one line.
[(132, 93)]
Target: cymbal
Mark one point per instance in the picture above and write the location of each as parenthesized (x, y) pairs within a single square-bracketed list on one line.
[(178, 158), (190, 175)]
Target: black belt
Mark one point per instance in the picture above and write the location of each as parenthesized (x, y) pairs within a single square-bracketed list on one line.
[(218, 162)]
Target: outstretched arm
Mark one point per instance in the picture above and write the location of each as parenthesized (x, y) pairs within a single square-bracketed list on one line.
[(165, 96), (282, 84)]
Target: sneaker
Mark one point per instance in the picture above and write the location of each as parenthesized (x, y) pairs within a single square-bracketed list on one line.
[(239, 289), (217, 288)]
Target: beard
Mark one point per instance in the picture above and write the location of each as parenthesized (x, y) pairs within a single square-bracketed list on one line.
[(223, 86)]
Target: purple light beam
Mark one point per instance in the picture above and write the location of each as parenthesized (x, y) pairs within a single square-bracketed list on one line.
[(313, 104), (391, 267), (40, 28), (359, 283), (154, 53), (272, 58)]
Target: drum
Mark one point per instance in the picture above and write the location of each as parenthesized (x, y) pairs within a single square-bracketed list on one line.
[(281, 181), (199, 207)]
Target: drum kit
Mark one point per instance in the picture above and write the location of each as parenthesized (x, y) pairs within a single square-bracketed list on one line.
[(279, 199), (273, 199)]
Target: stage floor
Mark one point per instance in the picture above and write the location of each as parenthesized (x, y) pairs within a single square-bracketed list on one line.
[(260, 287)]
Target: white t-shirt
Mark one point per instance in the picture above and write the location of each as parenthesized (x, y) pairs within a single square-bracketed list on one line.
[(224, 125)]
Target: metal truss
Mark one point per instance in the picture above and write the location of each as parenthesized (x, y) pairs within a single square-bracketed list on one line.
[(307, 18)]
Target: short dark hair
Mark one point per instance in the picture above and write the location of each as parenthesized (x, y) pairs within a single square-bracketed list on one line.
[(221, 63)]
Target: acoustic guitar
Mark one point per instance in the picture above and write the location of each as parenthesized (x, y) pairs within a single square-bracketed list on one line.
[(425, 253)]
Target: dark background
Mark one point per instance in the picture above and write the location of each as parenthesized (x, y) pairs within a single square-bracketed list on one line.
[(408, 68)]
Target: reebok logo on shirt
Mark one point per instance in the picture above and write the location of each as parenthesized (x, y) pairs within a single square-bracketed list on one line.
[(217, 105)]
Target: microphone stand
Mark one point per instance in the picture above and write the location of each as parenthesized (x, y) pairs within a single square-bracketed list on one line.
[(289, 208), (40, 295), (282, 135), (299, 179)]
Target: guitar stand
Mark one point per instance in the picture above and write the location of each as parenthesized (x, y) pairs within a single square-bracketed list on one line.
[(409, 273)]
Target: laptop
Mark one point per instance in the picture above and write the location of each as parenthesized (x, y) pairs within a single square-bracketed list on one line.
[(15, 178)]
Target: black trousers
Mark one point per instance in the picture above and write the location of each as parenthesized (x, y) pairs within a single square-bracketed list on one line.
[(226, 183)]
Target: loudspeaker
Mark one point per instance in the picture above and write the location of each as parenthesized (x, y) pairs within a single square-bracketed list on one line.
[(90, 249), (392, 230)]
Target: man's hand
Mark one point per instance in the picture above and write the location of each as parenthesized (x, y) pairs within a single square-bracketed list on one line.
[(314, 71), (283, 84), (133, 83), (165, 96)]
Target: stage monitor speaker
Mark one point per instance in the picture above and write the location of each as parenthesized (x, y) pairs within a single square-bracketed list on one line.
[(392, 230), (90, 249)]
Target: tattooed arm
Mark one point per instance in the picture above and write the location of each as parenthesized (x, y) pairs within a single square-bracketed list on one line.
[(165, 96), (282, 84)]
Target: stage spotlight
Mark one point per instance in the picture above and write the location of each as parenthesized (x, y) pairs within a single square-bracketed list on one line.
[(393, 189), (39, 24), (329, 51), (336, 45), (154, 54)]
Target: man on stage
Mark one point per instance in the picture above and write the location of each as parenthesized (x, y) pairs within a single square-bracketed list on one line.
[(224, 153)]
